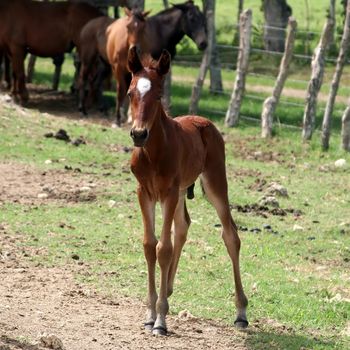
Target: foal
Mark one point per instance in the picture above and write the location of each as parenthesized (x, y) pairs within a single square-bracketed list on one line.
[(169, 155)]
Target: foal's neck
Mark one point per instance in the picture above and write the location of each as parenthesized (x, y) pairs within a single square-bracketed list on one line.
[(158, 135)]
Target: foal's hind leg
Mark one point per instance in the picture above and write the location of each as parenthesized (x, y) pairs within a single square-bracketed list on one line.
[(182, 222), (215, 186)]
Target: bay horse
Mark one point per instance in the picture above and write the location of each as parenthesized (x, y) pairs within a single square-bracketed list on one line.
[(44, 29), (104, 43), (168, 157)]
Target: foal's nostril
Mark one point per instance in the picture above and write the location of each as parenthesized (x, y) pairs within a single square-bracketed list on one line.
[(139, 136)]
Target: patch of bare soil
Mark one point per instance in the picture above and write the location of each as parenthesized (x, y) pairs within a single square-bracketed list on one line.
[(24, 184), (44, 307), (63, 104)]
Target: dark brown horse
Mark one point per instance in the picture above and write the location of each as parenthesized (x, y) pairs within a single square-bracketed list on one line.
[(169, 155), (163, 31), (42, 28), (166, 29), (104, 43)]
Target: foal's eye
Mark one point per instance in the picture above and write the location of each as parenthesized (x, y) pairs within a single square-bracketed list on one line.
[(129, 94)]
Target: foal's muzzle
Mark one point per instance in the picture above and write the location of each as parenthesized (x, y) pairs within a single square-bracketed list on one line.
[(139, 136)]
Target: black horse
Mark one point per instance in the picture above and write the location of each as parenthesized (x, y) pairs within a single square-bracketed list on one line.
[(168, 27)]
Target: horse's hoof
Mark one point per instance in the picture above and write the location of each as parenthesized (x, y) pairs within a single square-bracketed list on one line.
[(23, 101), (82, 111), (240, 323), (149, 326), (161, 331)]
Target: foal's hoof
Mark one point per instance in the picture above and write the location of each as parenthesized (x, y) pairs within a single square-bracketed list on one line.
[(159, 331), (241, 323), (149, 326)]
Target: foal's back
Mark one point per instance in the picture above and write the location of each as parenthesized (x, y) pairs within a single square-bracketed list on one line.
[(200, 145)]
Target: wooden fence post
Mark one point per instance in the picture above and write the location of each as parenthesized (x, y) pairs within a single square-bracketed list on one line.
[(197, 87), (270, 103), (315, 83), (245, 28), (345, 130), (345, 41), (215, 69)]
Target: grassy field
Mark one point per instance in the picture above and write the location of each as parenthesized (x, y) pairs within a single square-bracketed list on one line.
[(295, 276)]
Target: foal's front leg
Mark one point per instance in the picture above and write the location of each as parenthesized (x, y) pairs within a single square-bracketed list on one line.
[(149, 246), (165, 256)]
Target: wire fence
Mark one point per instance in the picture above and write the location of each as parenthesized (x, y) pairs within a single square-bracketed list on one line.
[(228, 55), (258, 80)]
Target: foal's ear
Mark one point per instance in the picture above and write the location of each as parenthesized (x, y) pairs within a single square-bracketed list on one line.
[(134, 63), (127, 12), (163, 64)]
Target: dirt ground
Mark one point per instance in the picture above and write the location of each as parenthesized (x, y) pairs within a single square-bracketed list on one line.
[(43, 308), (39, 304)]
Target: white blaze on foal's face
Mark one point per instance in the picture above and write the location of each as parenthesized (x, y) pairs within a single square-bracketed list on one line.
[(143, 86)]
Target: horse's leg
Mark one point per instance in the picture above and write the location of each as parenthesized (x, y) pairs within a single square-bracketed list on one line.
[(18, 56), (125, 106), (182, 222), (164, 257), (103, 72), (122, 88), (85, 69), (77, 63), (215, 186), (58, 62), (7, 72), (30, 68), (149, 247), (83, 75)]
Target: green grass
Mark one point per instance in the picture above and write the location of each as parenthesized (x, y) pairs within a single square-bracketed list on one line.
[(296, 281)]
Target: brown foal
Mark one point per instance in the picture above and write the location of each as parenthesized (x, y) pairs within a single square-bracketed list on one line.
[(169, 156)]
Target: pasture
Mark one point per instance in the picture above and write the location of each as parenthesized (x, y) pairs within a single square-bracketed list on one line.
[(295, 274), (71, 255)]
